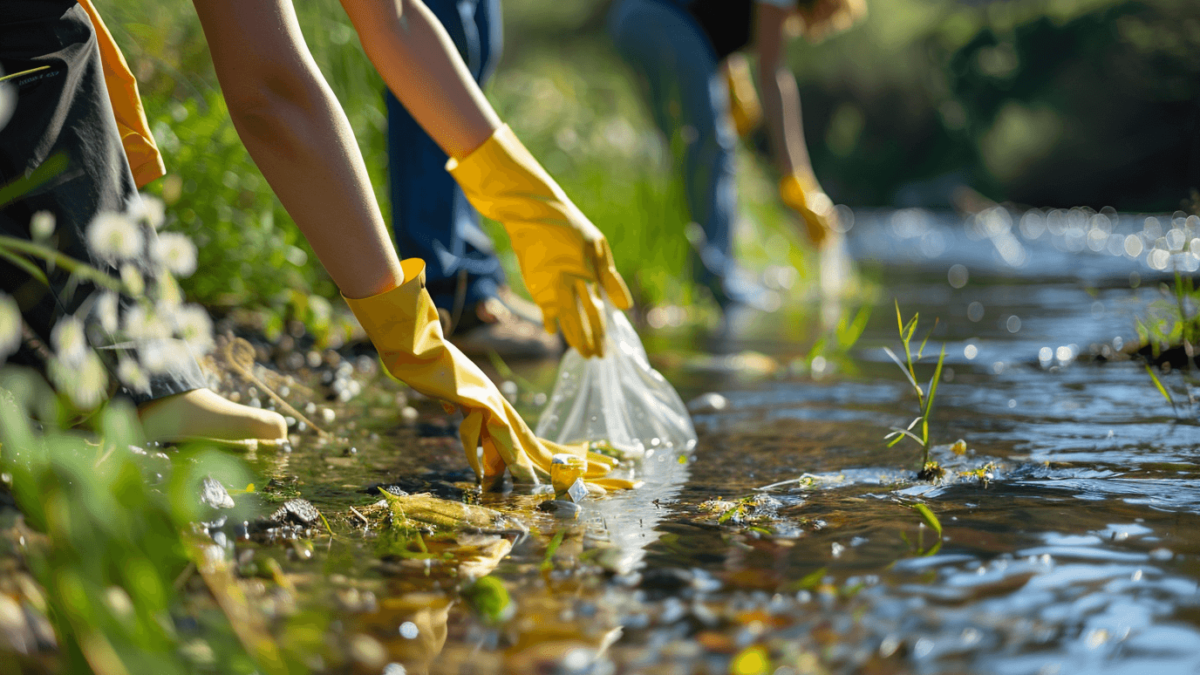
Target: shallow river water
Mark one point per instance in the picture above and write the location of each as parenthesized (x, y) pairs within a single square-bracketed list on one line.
[(1070, 539)]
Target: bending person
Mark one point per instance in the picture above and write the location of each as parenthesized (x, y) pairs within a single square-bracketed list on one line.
[(299, 136), (681, 50)]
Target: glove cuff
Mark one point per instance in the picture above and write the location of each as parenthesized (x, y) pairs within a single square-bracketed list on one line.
[(500, 167)]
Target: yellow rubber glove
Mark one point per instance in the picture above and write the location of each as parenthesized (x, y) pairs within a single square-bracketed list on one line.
[(801, 192), (564, 259), (743, 99), (403, 325)]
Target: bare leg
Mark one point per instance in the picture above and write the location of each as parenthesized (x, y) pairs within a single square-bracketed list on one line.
[(299, 137)]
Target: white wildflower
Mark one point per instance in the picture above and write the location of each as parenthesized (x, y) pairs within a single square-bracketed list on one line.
[(114, 237), (194, 327), (176, 252), (170, 297), (145, 324), (10, 326), (41, 226), (151, 210), (69, 340), (107, 311), (132, 375), (132, 278), (85, 383), (160, 356)]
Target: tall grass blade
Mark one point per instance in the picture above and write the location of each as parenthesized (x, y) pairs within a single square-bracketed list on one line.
[(933, 383), (903, 369), (1159, 385)]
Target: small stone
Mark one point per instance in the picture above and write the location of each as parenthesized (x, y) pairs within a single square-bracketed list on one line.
[(708, 403), (394, 490), (561, 508), (667, 579), (409, 415), (213, 494), (297, 512)]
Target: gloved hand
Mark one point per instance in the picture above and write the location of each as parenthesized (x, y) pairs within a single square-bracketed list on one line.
[(403, 325), (743, 100), (564, 259), (801, 192)]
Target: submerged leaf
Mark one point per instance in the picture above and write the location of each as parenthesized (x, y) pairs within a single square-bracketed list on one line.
[(928, 516)]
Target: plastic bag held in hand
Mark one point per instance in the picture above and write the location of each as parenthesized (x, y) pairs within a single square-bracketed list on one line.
[(618, 399), (404, 327)]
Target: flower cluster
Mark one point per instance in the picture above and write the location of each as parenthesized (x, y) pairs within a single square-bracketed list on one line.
[(142, 321)]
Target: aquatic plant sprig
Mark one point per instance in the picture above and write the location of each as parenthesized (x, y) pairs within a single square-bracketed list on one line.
[(925, 397)]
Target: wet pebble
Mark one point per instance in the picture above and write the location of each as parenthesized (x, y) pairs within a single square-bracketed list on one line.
[(296, 512), (561, 508), (667, 579), (708, 403), (214, 495)]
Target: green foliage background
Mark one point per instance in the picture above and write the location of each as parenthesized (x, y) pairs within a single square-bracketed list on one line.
[(1045, 102)]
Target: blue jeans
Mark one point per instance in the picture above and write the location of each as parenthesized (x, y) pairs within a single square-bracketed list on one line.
[(688, 96), (431, 217)]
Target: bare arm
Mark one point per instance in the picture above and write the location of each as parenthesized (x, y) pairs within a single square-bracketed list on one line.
[(300, 138), (419, 63), (780, 97)]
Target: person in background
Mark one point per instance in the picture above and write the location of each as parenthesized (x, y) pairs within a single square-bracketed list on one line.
[(433, 220), (687, 54), (65, 110)]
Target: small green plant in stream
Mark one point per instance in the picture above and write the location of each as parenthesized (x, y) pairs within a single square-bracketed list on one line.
[(925, 396), (1167, 337), (1171, 326)]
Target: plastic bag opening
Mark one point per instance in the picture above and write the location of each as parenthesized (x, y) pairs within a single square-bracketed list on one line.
[(618, 401)]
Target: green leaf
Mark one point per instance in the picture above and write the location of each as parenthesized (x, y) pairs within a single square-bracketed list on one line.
[(30, 269), (548, 562), (1159, 385), (903, 369), (24, 72), (26, 184), (928, 516), (933, 384), (810, 580)]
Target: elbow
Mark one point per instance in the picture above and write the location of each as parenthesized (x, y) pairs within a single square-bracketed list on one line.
[(261, 107)]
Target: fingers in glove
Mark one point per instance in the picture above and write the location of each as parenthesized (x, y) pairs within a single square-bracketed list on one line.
[(468, 432), (610, 279), (573, 329), (614, 483), (593, 311), (817, 231)]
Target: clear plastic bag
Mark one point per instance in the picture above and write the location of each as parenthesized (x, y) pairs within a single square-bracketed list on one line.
[(618, 400)]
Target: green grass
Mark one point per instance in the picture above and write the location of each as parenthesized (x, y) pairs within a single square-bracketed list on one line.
[(925, 395)]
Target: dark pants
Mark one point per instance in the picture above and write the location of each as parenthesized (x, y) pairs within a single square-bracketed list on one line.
[(65, 111), (431, 217)]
